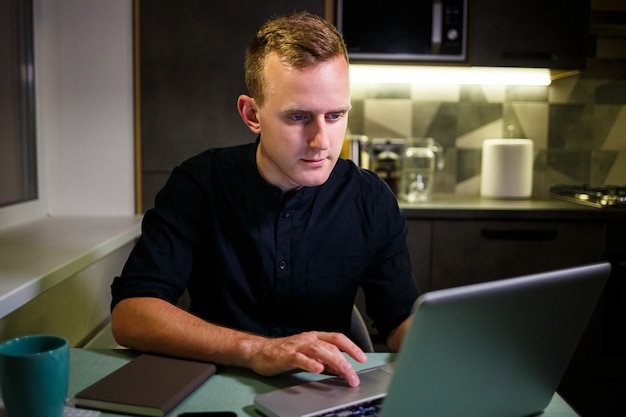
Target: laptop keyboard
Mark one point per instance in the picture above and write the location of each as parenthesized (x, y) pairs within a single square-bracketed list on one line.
[(364, 409)]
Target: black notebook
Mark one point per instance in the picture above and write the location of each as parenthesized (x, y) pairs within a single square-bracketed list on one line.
[(149, 385)]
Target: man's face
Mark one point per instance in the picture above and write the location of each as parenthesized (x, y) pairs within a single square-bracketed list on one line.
[(302, 122)]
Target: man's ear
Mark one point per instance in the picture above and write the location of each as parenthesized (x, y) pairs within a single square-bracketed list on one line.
[(248, 112)]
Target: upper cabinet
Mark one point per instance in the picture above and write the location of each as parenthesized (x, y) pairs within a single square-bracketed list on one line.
[(608, 39), (497, 33), (529, 33)]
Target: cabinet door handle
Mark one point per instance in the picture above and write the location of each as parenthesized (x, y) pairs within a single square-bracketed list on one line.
[(435, 40), (526, 235)]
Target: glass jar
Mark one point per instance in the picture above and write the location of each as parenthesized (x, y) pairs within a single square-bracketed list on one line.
[(421, 160)]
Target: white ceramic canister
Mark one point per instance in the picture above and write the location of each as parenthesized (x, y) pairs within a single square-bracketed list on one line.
[(507, 168)]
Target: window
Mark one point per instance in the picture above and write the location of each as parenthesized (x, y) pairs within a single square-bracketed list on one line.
[(18, 164)]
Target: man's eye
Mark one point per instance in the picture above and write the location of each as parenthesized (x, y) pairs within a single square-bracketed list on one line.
[(334, 116), (299, 117)]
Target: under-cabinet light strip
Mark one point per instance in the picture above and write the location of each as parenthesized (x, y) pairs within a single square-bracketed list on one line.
[(360, 73)]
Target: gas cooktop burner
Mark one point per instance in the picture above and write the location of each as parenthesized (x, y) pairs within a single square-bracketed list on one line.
[(595, 196)]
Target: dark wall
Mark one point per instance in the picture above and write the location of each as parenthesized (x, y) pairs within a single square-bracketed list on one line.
[(191, 67)]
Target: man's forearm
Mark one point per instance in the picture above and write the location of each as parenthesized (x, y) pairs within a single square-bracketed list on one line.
[(154, 325), (394, 341)]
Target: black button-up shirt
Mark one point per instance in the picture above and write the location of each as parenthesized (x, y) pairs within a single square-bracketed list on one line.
[(258, 260)]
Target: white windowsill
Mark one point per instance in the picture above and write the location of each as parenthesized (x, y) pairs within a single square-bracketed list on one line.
[(38, 255)]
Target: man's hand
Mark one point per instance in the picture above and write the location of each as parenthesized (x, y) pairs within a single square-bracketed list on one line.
[(310, 351)]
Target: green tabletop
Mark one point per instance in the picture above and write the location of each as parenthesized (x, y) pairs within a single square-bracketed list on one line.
[(231, 389)]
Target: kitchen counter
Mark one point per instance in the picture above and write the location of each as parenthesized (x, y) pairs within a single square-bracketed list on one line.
[(455, 206)]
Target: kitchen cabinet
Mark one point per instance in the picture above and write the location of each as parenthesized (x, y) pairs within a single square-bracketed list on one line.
[(530, 33), (470, 251), (419, 241)]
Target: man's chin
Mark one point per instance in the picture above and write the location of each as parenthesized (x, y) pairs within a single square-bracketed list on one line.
[(313, 177)]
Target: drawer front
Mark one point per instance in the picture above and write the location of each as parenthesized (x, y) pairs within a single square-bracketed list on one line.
[(466, 252)]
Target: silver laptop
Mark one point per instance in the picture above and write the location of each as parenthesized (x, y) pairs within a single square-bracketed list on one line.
[(497, 348)]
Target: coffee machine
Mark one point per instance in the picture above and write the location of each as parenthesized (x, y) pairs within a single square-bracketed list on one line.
[(407, 165), (386, 160)]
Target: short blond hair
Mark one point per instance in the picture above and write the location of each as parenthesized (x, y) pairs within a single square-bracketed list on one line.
[(300, 39)]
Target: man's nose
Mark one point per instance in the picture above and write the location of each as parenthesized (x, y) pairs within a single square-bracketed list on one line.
[(319, 138)]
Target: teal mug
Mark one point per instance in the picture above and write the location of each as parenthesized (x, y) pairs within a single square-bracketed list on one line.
[(34, 373)]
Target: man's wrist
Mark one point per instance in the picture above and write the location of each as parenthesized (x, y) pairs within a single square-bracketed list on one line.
[(248, 347)]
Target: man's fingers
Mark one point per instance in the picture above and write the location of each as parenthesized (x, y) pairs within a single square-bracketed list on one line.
[(311, 352), (327, 349), (343, 343)]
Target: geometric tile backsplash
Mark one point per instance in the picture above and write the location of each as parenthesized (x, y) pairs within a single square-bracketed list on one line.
[(577, 124)]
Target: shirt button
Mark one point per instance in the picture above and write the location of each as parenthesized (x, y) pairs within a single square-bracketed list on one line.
[(282, 265)]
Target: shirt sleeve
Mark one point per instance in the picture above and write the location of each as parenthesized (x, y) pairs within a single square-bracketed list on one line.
[(389, 287), (161, 261)]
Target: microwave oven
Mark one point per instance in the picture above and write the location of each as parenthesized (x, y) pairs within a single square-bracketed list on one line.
[(416, 30)]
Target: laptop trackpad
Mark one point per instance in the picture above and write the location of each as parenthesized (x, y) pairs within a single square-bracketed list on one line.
[(325, 394)]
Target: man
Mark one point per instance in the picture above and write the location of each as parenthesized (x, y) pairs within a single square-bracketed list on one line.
[(272, 239)]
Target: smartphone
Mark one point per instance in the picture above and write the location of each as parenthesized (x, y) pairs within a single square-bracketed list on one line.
[(209, 414)]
